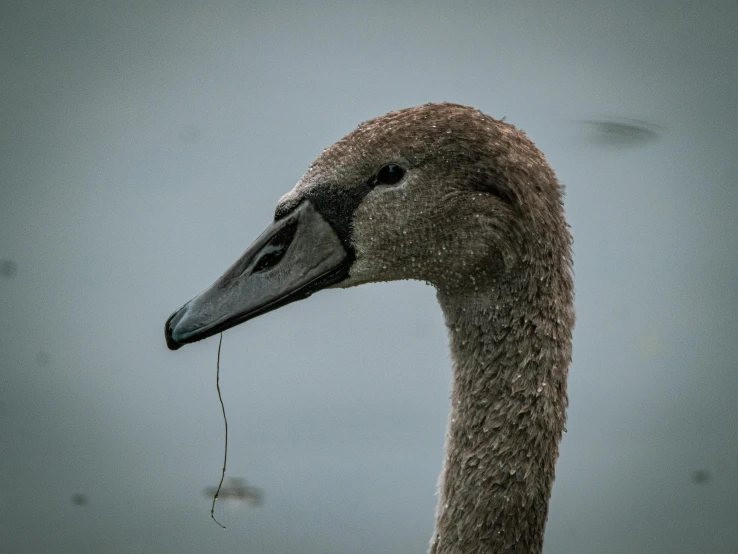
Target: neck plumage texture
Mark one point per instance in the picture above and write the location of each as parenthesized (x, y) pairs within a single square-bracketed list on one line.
[(511, 348)]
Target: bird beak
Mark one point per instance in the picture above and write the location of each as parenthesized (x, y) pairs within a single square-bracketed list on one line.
[(296, 256)]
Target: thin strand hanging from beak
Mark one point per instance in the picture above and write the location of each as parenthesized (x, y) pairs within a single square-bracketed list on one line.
[(225, 421)]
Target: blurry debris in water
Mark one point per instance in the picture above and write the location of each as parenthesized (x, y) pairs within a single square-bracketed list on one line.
[(651, 344), (701, 476), (189, 134), (79, 499), (236, 490), (621, 132), (8, 268), (43, 358)]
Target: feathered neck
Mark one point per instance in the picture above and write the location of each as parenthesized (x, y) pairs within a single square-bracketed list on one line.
[(511, 348)]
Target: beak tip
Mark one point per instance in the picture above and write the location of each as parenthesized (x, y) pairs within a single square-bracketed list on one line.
[(172, 343)]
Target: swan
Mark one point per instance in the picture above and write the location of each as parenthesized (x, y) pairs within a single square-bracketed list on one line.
[(445, 194)]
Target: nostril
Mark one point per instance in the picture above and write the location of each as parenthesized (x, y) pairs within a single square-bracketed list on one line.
[(270, 257), (276, 248)]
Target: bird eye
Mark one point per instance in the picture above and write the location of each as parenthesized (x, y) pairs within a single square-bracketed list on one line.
[(390, 174)]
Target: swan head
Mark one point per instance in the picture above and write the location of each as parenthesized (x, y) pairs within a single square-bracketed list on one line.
[(440, 193)]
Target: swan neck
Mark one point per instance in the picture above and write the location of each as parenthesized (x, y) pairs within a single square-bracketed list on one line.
[(511, 347)]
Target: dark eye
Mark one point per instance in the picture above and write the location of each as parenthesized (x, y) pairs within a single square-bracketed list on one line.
[(390, 174)]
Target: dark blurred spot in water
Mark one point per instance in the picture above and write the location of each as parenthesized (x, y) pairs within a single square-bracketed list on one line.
[(79, 499), (189, 134), (621, 133), (8, 268), (43, 358), (731, 176), (236, 490), (701, 476)]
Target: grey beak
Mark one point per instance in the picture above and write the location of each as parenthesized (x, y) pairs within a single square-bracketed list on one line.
[(296, 256)]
